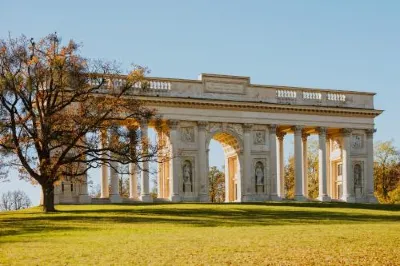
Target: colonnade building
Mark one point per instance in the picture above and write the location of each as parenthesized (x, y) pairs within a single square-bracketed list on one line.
[(251, 122)]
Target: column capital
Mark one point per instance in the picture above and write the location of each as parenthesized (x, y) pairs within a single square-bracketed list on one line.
[(247, 127), (304, 136), (202, 125), (346, 132), (322, 131), (272, 128), (280, 135), (370, 132), (173, 123), (297, 129)]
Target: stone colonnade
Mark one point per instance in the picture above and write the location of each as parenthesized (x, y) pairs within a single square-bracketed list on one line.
[(345, 164)]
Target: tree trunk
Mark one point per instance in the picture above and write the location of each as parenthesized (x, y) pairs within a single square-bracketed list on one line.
[(48, 197)]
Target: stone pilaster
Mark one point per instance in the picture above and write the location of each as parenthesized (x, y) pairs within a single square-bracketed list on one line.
[(202, 160), (273, 175), (370, 166), (246, 179)]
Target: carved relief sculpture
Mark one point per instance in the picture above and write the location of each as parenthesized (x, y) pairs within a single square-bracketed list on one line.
[(356, 142), (259, 137), (187, 134)]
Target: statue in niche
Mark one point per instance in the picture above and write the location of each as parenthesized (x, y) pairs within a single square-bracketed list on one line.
[(187, 176), (357, 175), (357, 142), (259, 173), (259, 137), (187, 134)]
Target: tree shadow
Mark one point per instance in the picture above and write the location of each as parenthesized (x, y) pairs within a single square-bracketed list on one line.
[(205, 215)]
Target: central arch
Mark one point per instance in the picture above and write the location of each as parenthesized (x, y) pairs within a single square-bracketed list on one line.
[(232, 146)]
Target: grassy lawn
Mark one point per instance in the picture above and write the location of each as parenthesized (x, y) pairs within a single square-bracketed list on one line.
[(203, 234)]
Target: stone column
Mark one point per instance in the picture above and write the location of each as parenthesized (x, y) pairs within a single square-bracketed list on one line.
[(328, 166), (83, 192), (115, 197), (370, 167), (298, 164), (246, 180), (273, 173), (104, 169), (323, 188), (174, 169), (348, 191), (280, 165), (202, 160), (304, 137), (145, 184), (133, 193)]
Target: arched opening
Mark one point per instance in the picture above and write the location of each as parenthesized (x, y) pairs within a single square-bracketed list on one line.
[(224, 154)]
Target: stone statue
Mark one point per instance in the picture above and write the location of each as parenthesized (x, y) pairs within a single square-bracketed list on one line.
[(357, 176), (259, 172), (187, 173)]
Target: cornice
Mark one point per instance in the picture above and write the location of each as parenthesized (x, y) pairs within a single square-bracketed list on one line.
[(258, 107)]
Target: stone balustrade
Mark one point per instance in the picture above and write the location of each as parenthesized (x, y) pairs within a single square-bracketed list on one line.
[(234, 88)]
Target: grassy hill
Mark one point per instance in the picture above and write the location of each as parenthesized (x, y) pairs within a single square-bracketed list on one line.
[(203, 234)]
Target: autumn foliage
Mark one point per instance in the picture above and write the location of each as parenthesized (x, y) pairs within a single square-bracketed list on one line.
[(53, 105)]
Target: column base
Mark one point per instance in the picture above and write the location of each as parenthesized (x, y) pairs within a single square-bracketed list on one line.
[(115, 198), (348, 199), (300, 198), (324, 198), (372, 199), (276, 198), (175, 198), (204, 198), (146, 198), (85, 199)]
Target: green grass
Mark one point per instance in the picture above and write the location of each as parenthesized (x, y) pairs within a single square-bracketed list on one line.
[(203, 234)]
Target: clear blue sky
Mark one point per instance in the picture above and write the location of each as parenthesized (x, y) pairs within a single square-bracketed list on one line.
[(327, 44)]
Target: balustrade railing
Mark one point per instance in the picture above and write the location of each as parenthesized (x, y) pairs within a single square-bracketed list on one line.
[(195, 89)]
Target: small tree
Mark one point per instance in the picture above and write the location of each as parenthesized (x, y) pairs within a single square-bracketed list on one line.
[(14, 200), (216, 180), (54, 103), (289, 178), (313, 171), (386, 169)]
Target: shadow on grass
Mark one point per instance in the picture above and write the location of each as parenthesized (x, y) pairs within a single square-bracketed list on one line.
[(207, 215)]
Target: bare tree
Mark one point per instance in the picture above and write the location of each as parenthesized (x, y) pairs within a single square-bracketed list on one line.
[(53, 105), (14, 200)]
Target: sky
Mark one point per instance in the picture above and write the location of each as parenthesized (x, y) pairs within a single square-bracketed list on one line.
[(350, 45)]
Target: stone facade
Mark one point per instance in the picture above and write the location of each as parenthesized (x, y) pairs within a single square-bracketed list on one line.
[(250, 121)]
